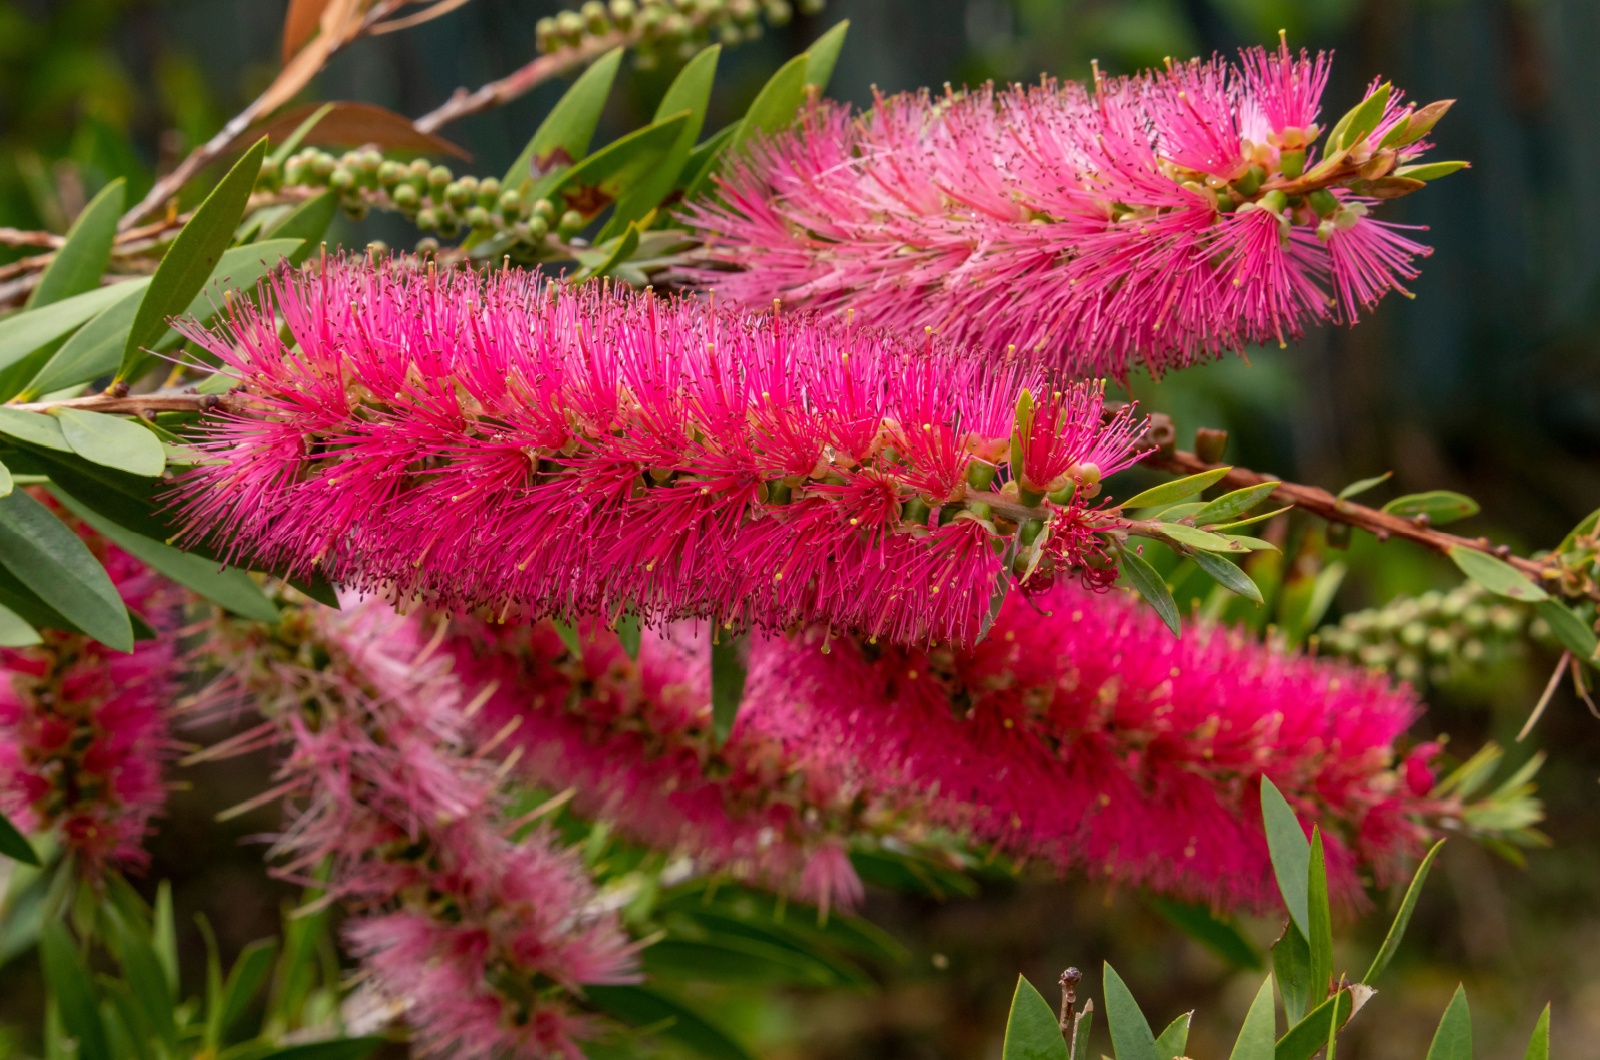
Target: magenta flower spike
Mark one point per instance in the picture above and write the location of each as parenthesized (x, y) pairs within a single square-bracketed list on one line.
[(1155, 220), (537, 449), (83, 728)]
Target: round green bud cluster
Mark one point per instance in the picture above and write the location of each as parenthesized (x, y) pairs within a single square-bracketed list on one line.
[(658, 27), (431, 196), (1435, 637)]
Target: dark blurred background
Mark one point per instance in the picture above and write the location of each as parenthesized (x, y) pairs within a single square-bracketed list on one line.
[(1487, 383)]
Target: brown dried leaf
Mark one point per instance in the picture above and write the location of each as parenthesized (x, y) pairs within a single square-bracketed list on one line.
[(351, 124)]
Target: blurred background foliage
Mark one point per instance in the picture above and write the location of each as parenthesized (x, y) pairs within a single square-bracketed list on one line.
[(1487, 383)]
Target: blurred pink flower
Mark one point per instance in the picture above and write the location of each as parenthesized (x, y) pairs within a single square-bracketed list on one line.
[(1153, 220), (539, 449), (83, 727)]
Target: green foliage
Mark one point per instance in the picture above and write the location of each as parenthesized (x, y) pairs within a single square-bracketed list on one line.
[(1402, 918), (730, 657), (1032, 1032), (1440, 506), (56, 566), (1152, 586), (1131, 1038), (83, 258), (1255, 1041), (1496, 574), (1453, 1039), (562, 139), (1176, 490), (14, 845)]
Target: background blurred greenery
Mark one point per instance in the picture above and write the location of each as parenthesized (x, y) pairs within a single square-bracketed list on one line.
[(1487, 383)]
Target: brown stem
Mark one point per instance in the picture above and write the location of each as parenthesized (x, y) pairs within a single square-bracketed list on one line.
[(133, 404), (1320, 502), (1069, 997), (502, 91)]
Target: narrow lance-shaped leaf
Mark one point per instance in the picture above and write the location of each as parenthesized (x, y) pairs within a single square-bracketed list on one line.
[(1032, 1032), (192, 256), (1496, 575), (1362, 485), (641, 1007), (729, 660), (14, 845), (599, 180), (1176, 490), (1402, 918), (1131, 1038), (1230, 506), (67, 979), (112, 441), (1291, 965), (1255, 1040), (1453, 1039), (82, 259), (1576, 635), (1539, 1044), (16, 631), (1227, 574), (53, 562), (1172, 1041), (1148, 581), (1440, 506), (1291, 853), (564, 135), (690, 91), (773, 108), (23, 333), (1320, 935), (823, 55), (1309, 1035)]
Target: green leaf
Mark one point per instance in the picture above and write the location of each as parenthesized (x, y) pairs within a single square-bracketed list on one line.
[(1320, 935), (823, 55), (1397, 930), (23, 333), (231, 589), (606, 261), (730, 657), (67, 979), (112, 441), (1249, 521), (147, 980), (14, 845), (1453, 1039), (1363, 485), (1440, 506), (1172, 1042), (569, 637), (639, 1006), (308, 221), (1360, 121), (1586, 528), (1496, 575), (1188, 535), (1227, 574), (1539, 1044), (281, 153), (1301, 608), (1130, 1032), (1576, 635), (193, 254), (1082, 1026), (33, 427), (332, 1049), (1430, 170), (7, 483), (244, 980), (82, 259), (1032, 1032), (1152, 587), (15, 631), (564, 135), (690, 91), (1255, 1040), (53, 562), (1220, 936), (1176, 490), (1291, 964), (1291, 854), (628, 634), (164, 934), (605, 176), (730, 959), (776, 105), (1308, 1036), (1230, 506)]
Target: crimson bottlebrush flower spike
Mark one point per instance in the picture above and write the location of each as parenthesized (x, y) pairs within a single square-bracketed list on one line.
[(537, 449), (1156, 220), (83, 728)]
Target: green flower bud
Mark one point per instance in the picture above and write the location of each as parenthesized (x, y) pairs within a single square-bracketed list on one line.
[(812, 7), (377, 248), (296, 172), (981, 509), (595, 16), (1274, 202), (622, 12), (1323, 201), (538, 228), (405, 197), (510, 205), (322, 165), (440, 176), (427, 245), (1030, 531), (270, 174), (779, 12), (417, 173), (427, 219), (488, 192), (569, 24), (477, 218), (1292, 163), (449, 223), (341, 179), (915, 512), (1250, 183), (1063, 496), (390, 173), (456, 194), (545, 34), (544, 209), (571, 224), (368, 162), (980, 474)]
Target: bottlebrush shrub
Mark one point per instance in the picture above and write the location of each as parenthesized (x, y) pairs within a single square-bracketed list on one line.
[(83, 727), (1156, 219), (1088, 738), (539, 449), (480, 932)]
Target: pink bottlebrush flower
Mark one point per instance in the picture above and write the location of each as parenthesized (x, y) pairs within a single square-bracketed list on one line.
[(1094, 740), (1155, 220), (83, 728), (1087, 738), (538, 449), (481, 937), (634, 739)]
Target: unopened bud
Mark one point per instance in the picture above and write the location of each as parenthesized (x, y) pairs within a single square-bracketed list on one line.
[(915, 512), (479, 218), (439, 176), (1030, 531), (1292, 163), (980, 474)]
